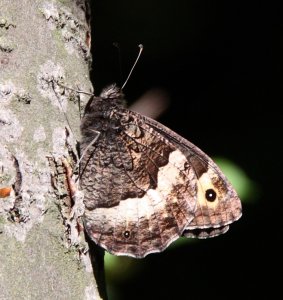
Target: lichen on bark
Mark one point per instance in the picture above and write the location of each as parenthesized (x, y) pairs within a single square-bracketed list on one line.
[(41, 43)]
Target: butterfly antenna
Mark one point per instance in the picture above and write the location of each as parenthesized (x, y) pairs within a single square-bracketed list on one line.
[(74, 90), (141, 48)]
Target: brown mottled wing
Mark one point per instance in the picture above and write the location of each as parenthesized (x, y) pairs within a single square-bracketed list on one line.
[(145, 186), (217, 202)]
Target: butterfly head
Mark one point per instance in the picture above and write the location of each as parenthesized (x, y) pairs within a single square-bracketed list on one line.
[(112, 92), (111, 96)]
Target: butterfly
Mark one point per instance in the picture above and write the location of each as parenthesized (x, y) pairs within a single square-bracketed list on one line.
[(144, 185)]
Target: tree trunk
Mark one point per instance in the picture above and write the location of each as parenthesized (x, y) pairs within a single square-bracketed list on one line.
[(43, 253)]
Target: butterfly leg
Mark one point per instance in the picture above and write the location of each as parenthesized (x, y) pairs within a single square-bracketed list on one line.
[(74, 221), (88, 146)]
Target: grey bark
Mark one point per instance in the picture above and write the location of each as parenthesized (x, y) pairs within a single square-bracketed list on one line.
[(43, 254)]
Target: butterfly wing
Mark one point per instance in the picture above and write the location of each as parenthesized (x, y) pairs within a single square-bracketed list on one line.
[(217, 202), (145, 186)]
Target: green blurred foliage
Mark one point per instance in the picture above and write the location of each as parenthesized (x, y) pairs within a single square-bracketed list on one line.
[(247, 189)]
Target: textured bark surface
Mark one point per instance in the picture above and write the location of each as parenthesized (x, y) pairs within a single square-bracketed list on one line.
[(42, 254)]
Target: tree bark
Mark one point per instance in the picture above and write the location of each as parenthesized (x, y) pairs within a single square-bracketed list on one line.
[(43, 252)]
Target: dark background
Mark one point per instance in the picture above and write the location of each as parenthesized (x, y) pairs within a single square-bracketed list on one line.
[(220, 62)]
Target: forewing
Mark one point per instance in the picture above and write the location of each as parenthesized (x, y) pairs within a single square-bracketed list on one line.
[(217, 202)]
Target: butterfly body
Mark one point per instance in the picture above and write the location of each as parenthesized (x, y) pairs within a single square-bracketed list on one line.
[(145, 185)]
